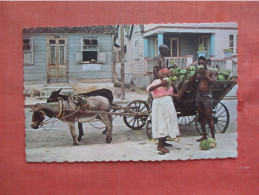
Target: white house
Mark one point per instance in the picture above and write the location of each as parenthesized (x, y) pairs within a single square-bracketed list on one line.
[(142, 43), (185, 39)]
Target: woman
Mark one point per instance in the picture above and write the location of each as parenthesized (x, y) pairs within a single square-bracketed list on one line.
[(164, 118)]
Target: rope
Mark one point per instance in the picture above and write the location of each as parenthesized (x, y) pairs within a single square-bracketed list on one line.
[(97, 127), (50, 127), (44, 123)]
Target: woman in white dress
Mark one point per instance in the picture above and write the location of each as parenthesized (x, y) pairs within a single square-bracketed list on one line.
[(164, 117)]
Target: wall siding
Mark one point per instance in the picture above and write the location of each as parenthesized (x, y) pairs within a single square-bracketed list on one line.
[(132, 65), (38, 71), (76, 72)]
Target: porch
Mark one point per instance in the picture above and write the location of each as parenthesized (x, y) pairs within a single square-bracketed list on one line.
[(180, 44), (183, 62)]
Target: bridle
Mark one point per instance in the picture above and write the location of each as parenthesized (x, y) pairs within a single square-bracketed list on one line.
[(59, 116)]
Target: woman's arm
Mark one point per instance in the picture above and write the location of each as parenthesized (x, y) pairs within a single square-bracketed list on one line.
[(161, 84)]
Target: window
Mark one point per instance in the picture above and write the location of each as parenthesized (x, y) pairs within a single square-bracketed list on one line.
[(203, 40), (90, 49), (236, 43), (231, 42), (156, 50), (136, 50), (27, 50)]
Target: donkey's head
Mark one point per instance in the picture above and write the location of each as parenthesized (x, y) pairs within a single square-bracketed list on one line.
[(37, 116), (54, 97)]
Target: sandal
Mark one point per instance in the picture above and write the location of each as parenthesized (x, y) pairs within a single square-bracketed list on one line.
[(162, 149), (167, 144), (202, 138)]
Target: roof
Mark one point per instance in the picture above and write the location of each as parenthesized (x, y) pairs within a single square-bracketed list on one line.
[(108, 29)]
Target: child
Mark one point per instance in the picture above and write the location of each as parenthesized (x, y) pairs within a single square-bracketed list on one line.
[(164, 118)]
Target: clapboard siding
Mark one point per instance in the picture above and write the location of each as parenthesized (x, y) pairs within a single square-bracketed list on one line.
[(75, 69), (38, 71), (90, 75), (132, 65)]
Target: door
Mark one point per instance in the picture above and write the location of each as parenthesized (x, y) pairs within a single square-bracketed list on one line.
[(175, 47), (203, 40), (57, 59)]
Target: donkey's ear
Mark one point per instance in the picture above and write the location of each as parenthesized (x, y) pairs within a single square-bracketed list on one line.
[(33, 108), (59, 90)]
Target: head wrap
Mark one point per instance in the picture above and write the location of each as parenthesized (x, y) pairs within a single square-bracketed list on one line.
[(164, 70)]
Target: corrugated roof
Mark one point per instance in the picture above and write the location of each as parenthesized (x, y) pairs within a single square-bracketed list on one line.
[(108, 29)]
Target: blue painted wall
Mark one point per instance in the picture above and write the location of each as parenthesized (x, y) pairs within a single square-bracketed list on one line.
[(37, 73)]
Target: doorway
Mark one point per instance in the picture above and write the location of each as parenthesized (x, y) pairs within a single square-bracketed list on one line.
[(175, 48), (57, 59)]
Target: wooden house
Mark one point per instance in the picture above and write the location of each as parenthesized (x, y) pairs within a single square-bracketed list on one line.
[(68, 55)]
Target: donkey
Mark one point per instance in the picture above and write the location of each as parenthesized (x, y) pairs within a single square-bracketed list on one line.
[(69, 113), (56, 96)]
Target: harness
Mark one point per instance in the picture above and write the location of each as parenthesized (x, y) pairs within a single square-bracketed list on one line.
[(60, 114), (60, 109)]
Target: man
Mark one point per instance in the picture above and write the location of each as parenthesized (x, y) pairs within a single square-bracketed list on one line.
[(159, 60), (204, 101)]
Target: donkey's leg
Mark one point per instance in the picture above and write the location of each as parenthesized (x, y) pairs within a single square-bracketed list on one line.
[(81, 131), (105, 130), (73, 133), (107, 120)]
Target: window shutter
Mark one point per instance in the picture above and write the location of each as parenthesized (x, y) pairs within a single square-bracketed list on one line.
[(79, 57), (102, 58), (27, 58)]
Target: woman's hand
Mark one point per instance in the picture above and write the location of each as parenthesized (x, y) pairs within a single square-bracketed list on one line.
[(164, 83)]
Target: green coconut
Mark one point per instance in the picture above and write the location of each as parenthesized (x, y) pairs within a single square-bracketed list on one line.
[(174, 72), (181, 76), (191, 73), (168, 80), (212, 142), (174, 78), (200, 66), (205, 145), (191, 68), (221, 78), (183, 71)]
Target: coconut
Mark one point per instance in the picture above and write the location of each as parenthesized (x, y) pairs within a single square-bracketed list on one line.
[(205, 145), (221, 78), (212, 142), (169, 81)]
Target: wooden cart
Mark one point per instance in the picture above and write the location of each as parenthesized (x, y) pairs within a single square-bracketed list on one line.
[(185, 105)]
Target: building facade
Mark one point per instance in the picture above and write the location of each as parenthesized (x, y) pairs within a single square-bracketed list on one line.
[(68, 55), (185, 39)]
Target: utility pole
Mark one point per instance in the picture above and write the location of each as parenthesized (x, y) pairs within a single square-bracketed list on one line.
[(122, 64)]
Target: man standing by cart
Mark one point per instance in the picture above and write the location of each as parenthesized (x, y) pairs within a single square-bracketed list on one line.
[(204, 101), (159, 63), (159, 60)]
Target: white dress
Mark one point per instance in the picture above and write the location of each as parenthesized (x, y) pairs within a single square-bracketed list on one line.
[(164, 118)]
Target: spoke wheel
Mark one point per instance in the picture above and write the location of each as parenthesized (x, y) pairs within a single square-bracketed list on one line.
[(186, 120), (136, 122), (149, 128), (220, 117)]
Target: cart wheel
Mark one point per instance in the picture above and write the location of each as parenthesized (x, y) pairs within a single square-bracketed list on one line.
[(136, 122), (220, 117), (149, 127), (186, 120)]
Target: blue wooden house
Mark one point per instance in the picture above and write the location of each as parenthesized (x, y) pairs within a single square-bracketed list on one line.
[(68, 55)]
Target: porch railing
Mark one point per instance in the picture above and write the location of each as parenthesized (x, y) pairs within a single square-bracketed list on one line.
[(219, 64), (179, 61)]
